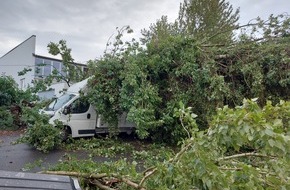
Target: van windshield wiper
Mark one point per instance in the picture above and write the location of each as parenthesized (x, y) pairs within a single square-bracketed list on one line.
[(51, 108)]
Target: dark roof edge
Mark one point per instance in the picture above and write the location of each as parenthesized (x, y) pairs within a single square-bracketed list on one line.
[(55, 59), (18, 46)]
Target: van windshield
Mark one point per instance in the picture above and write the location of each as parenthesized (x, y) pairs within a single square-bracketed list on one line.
[(59, 102)]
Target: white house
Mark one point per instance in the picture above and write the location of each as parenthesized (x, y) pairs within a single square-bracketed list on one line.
[(23, 57), (17, 59)]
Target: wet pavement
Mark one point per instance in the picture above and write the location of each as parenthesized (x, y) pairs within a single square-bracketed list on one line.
[(20, 157)]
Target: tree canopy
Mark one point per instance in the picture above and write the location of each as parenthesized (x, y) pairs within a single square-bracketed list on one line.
[(180, 62), (205, 19)]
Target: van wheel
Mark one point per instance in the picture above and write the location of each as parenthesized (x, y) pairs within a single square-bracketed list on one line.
[(65, 133), (129, 132)]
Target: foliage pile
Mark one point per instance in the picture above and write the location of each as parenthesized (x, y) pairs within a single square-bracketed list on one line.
[(206, 71), (40, 134), (105, 147), (16, 110), (144, 153), (11, 101), (245, 147)]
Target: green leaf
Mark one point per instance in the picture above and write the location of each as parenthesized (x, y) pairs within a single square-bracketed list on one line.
[(279, 145), (271, 142), (269, 132)]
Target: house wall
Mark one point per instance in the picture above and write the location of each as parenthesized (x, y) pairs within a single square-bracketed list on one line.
[(23, 56), (17, 59)]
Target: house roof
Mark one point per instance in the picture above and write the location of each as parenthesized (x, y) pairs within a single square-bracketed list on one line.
[(55, 59), (39, 56), (33, 36)]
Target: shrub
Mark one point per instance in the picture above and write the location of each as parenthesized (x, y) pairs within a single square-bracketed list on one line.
[(6, 119), (8, 91)]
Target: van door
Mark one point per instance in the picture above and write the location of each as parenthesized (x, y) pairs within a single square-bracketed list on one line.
[(81, 118)]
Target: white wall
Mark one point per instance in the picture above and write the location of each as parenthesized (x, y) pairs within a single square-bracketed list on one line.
[(17, 59)]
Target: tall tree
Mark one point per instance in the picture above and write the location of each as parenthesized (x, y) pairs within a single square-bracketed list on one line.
[(207, 18)]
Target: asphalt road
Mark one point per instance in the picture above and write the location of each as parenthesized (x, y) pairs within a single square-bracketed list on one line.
[(19, 157), (22, 157)]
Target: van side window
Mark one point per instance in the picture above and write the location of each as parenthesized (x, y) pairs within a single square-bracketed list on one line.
[(79, 106)]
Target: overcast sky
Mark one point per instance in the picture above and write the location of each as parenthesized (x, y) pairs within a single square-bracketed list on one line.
[(86, 25)]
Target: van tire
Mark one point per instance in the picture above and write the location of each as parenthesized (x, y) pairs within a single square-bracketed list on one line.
[(129, 132), (65, 133)]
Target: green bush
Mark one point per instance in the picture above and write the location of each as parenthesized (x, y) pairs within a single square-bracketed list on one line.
[(6, 119), (8, 91)]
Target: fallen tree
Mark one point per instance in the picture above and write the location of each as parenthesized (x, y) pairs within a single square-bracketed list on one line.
[(244, 147), (148, 83)]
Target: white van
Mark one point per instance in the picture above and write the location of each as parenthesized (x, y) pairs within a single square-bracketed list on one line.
[(79, 117)]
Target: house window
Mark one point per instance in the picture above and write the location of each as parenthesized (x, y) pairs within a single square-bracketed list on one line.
[(63, 69), (56, 66), (85, 70), (39, 67), (47, 68), (22, 83)]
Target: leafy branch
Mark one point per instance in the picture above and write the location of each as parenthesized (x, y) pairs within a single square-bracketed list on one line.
[(245, 155), (72, 70), (98, 179)]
